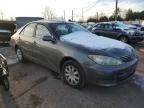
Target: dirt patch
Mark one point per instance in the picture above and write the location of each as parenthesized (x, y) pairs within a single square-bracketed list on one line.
[(35, 100), (140, 67)]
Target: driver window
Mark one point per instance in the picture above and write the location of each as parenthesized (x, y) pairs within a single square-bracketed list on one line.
[(42, 31), (62, 29)]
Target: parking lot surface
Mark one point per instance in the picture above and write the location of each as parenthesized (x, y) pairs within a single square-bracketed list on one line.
[(34, 86)]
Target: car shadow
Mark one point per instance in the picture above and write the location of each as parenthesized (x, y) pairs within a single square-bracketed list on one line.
[(137, 45), (8, 100), (136, 82), (131, 91)]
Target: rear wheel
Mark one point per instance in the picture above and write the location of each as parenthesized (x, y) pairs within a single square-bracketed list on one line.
[(73, 74), (123, 39), (19, 54)]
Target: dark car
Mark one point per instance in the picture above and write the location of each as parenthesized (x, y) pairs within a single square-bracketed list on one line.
[(119, 32), (139, 26), (79, 56), (21, 21), (6, 31), (5, 35)]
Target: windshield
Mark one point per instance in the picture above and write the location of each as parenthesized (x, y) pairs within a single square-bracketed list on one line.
[(66, 28), (118, 24)]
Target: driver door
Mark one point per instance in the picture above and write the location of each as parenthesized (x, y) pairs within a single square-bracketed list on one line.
[(43, 50)]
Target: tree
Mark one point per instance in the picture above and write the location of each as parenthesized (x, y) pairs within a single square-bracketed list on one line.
[(103, 19), (49, 13), (91, 20), (142, 15), (129, 14), (119, 18), (112, 18)]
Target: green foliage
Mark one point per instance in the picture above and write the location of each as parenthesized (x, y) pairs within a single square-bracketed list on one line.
[(103, 19), (130, 15), (91, 20)]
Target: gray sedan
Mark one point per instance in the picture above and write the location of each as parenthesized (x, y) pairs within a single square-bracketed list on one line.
[(79, 56)]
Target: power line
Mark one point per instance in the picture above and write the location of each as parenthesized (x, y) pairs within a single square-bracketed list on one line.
[(90, 7)]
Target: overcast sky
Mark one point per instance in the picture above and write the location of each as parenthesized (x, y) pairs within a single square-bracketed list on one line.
[(90, 7)]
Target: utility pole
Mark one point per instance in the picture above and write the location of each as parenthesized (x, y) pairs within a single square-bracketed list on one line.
[(64, 15), (2, 15), (82, 15), (97, 17), (116, 10), (72, 15)]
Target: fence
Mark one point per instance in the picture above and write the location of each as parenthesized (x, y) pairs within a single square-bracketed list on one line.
[(135, 22)]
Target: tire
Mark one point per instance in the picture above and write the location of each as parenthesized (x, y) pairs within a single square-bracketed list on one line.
[(73, 74), (19, 54), (123, 39), (5, 83), (142, 29)]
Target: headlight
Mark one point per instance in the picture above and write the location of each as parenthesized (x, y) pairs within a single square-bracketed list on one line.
[(105, 60)]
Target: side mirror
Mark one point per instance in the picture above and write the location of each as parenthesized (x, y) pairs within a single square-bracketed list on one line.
[(48, 38)]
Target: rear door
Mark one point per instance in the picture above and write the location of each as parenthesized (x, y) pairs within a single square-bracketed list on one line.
[(26, 39)]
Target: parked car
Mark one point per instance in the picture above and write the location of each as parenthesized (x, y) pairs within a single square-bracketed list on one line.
[(21, 21), (88, 26), (79, 56), (5, 35), (139, 26), (116, 31), (121, 24), (6, 31)]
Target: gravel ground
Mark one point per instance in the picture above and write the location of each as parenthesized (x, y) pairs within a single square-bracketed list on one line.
[(34, 86)]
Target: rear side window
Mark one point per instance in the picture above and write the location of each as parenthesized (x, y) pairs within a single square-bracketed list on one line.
[(108, 27), (42, 31), (28, 30), (101, 26)]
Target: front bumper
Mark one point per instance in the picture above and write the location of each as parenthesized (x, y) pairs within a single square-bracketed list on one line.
[(137, 38), (110, 75)]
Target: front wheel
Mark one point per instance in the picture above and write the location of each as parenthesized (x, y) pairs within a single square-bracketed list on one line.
[(123, 39), (73, 74), (5, 83)]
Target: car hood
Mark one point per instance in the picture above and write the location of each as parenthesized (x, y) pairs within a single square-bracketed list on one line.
[(94, 43)]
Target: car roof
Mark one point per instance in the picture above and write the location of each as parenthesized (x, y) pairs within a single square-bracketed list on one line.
[(105, 23), (111, 22), (50, 21)]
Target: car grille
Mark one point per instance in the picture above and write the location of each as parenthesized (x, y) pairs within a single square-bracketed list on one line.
[(137, 34), (126, 58), (123, 74)]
